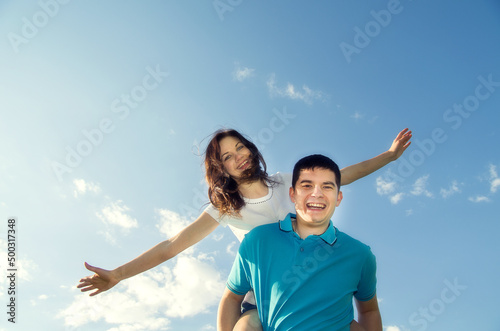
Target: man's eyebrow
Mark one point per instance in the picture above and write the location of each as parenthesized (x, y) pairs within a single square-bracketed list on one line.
[(308, 181)]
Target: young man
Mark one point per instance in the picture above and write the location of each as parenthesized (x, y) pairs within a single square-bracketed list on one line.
[(304, 271)]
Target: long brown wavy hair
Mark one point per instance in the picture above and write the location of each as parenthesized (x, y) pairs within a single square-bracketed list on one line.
[(222, 188)]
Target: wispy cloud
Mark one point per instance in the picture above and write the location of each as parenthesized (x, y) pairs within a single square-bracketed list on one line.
[(451, 190), (115, 213), (82, 187), (494, 180), (392, 328), (419, 187), (41, 299), (304, 94), (396, 198), (27, 268), (149, 300), (170, 222), (494, 184), (242, 73), (114, 217), (479, 198), (218, 237), (232, 248), (385, 187), (358, 116)]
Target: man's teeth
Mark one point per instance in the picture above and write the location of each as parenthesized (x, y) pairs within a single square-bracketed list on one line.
[(316, 205)]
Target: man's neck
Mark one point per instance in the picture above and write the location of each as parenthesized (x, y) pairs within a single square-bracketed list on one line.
[(305, 230)]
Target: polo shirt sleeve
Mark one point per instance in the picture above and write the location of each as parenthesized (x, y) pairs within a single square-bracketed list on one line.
[(367, 285), (238, 281)]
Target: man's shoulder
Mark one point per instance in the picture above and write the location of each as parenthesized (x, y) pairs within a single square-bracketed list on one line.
[(351, 242), (259, 237), (262, 231)]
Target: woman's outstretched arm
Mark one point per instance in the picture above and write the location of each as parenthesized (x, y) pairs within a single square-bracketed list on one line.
[(359, 170), (102, 279)]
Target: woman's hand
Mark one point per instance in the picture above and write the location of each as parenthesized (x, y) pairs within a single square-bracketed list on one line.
[(400, 144), (102, 280)]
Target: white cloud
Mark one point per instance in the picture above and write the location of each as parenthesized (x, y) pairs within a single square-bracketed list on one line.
[(115, 213), (290, 91), (36, 301), (479, 198), (396, 198), (218, 237), (419, 187), (409, 212), (115, 217), (82, 187), (494, 180), (451, 190), (385, 187), (230, 249), (129, 314), (358, 116), (149, 299), (26, 268), (171, 223), (392, 328), (242, 73)]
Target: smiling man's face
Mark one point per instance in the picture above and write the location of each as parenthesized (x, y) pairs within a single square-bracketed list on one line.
[(315, 196)]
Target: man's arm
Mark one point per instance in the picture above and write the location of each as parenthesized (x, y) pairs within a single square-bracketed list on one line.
[(359, 170), (229, 310), (369, 315)]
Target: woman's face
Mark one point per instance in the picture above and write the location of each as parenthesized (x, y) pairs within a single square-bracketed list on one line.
[(235, 156)]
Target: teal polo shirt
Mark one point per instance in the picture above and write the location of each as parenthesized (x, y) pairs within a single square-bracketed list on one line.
[(303, 284)]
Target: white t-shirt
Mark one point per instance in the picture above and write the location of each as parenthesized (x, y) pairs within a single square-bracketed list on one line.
[(269, 209)]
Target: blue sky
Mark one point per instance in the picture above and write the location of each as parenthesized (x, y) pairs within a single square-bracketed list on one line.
[(105, 105)]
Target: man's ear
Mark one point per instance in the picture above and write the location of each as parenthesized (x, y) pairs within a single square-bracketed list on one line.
[(339, 198), (291, 192)]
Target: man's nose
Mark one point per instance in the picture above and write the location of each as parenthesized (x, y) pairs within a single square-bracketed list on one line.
[(317, 191)]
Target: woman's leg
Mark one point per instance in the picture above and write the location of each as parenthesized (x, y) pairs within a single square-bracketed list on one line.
[(356, 327), (249, 321)]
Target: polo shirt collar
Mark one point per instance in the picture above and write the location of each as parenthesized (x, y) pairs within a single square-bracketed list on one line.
[(329, 236)]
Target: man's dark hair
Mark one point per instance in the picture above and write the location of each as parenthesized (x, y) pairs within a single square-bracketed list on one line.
[(315, 161)]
